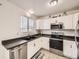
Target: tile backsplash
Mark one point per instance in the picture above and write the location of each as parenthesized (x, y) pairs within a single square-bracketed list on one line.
[(30, 32), (66, 32)]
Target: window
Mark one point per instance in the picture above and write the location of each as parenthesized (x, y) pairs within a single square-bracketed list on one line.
[(24, 24), (27, 24), (31, 24)]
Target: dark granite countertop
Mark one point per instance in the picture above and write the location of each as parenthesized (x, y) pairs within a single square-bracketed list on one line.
[(71, 38), (11, 43)]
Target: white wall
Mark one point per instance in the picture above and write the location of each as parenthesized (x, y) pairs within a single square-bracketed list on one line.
[(9, 24)]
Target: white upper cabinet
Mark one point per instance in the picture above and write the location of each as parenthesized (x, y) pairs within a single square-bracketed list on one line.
[(46, 24), (66, 20), (60, 20), (52, 20), (43, 24), (37, 24), (69, 22)]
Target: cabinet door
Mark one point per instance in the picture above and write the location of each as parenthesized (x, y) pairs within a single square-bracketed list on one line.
[(74, 50), (33, 47), (67, 21), (40, 24), (37, 24), (70, 49), (42, 42), (30, 49), (45, 42), (37, 44), (46, 24), (60, 19), (52, 20)]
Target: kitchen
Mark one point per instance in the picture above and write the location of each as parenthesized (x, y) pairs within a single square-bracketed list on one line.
[(29, 27)]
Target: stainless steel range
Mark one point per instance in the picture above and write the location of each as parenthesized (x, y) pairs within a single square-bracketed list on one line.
[(56, 41)]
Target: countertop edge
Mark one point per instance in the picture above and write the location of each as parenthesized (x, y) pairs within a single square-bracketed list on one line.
[(15, 40)]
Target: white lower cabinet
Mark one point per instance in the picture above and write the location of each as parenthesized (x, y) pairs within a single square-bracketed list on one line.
[(35, 45), (70, 49), (45, 42), (30, 49)]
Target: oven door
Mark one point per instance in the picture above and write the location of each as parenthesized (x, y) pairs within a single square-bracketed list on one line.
[(56, 44)]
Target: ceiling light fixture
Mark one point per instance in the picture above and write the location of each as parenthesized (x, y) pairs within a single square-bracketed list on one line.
[(53, 2), (30, 12)]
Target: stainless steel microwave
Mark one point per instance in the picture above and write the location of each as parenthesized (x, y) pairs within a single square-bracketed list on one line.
[(57, 26)]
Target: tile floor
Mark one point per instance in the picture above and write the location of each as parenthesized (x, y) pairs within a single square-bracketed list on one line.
[(46, 54), (49, 55)]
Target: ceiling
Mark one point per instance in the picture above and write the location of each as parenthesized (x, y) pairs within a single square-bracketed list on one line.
[(41, 8)]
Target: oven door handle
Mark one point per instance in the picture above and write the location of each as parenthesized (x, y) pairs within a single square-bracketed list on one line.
[(56, 39)]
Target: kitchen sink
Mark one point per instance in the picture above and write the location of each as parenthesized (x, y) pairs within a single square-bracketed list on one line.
[(31, 37)]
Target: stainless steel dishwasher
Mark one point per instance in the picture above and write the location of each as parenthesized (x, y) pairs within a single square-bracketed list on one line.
[(15, 53), (19, 52)]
